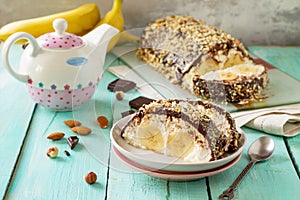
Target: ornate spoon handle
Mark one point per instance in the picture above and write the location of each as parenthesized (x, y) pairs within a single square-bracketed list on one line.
[(229, 193)]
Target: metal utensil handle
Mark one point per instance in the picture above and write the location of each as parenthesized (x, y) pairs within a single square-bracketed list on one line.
[(228, 194), (242, 174)]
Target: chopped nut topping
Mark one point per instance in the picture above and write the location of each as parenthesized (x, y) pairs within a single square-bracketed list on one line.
[(183, 49)]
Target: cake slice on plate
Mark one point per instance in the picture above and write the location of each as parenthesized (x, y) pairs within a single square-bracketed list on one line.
[(192, 130)]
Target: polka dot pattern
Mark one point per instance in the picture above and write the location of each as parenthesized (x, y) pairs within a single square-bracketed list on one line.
[(54, 41), (61, 100)]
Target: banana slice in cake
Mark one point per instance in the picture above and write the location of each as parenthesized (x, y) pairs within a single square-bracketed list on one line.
[(192, 130), (150, 137), (248, 69), (228, 75)]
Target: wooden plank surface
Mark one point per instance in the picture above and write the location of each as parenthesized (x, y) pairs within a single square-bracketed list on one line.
[(38, 177), (197, 189), (287, 59), (265, 179), (275, 178), (126, 183), (15, 114), (284, 58)]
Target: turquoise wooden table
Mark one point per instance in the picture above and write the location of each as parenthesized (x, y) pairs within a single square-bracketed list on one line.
[(27, 173)]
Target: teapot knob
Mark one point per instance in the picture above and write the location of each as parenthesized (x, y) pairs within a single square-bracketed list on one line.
[(60, 25)]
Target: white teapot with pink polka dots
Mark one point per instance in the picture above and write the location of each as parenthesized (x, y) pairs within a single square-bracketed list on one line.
[(61, 70)]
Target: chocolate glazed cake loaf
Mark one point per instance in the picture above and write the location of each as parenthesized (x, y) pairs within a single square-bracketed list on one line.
[(184, 50), (192, 130)]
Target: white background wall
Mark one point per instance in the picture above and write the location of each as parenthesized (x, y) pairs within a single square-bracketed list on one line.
[(255, 22)]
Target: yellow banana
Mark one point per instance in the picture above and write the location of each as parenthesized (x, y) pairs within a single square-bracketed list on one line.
[(122, 38), (127, 37), (114, 17), (80, 21)]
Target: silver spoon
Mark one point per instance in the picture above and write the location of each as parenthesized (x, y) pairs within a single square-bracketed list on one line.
[(261, 149)]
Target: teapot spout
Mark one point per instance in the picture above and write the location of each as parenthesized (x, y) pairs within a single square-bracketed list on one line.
[(101, 35)]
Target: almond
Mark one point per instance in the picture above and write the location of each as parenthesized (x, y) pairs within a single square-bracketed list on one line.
[(81, 130), (55, 136), (72, 123)]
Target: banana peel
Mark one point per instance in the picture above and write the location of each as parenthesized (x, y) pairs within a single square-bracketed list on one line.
[(81, 20)]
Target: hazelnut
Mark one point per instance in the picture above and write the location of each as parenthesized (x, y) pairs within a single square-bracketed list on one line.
[(120, 95), (90, 178), (52, 152), (102, 121)]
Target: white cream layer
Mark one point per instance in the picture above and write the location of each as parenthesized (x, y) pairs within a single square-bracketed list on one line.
[(235, 72), (173, 137)]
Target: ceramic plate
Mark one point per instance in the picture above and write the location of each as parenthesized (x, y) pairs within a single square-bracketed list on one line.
[(158, 161), (174, 176)]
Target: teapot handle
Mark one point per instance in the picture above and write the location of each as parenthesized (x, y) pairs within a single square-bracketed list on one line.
[(5, 53)]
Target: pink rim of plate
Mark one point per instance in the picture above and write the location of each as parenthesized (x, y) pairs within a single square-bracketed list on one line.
[(171, 175), (161, 162)]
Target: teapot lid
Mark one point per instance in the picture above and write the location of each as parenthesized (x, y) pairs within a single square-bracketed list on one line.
[(60, 39)]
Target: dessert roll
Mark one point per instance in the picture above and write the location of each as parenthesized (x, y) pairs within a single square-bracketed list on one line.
[(183, 49)]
